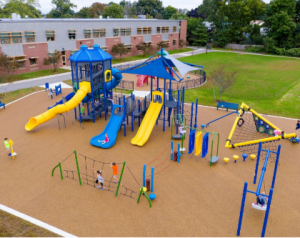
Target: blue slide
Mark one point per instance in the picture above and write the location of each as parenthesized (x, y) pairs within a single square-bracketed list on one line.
[(111, 129)]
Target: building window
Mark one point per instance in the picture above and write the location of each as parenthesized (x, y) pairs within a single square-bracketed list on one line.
[(50, 35), (128, 31), (72, 34), (104, 48), (102, 32), (72, 52), (163, 29), (96, 33), (167, 29), (33, 61), (50, 54), (145, 30), (128, 49), (174, 28), (139, 30), (116, 31), (21, 61), (174, 42), (4, 38), (16, 37), (158, 29), (149, 30), (30, 36), (87, 33), (122, 31)]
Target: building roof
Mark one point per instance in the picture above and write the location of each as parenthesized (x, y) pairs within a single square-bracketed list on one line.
[(90, 55)]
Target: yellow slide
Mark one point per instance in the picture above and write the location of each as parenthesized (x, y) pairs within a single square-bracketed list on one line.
[(84, 89), (148, 123)]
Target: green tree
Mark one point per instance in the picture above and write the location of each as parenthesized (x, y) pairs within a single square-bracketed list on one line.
[(181, 44), (119, 49), (191, 26), (129, 9), (297, 17), (146, 48), (178, 16), (200, 34), (280, 20), (83, 13), (61, 7), (54, 59), (21, 7), (7, 68), (151, 7), (113, 10), (169, 11), (95, 10), (162, 44)]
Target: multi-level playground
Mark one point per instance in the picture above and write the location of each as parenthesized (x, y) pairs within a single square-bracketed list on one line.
[(183, 169)]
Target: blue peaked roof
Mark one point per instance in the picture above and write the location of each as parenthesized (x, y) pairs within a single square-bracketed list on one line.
[(155, 68), (90, 55)]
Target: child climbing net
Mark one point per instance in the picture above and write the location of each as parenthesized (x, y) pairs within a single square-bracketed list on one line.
[(84, 173)]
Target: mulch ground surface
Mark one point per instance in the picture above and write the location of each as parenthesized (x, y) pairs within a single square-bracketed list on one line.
[(193, 199)]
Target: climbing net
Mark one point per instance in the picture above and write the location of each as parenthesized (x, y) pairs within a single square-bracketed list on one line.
[(88, 177), (248, 132)]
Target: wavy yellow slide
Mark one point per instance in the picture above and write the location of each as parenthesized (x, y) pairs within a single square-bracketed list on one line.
[(148, 123), (84, 89)]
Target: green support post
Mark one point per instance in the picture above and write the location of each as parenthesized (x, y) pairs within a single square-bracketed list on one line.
[(141, 192), (61, 174), (78, 171), (119, 183)]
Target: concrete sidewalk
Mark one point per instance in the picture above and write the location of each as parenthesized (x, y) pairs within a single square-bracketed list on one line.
[(35, 82)]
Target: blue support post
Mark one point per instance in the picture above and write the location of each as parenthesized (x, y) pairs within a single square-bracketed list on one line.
[(104, 93), (92, 91), (257, 162), (263, 170), (192, 110), (178, 153), (276, 165), (171, 150), (132, 119), (139, 110), (178, 101), (77, 82), (119, 104), (183, 91), (164, 105), (242, 209), (151, 88), (152, 179), (144, 175), (267, 214), (124, 122), (196, 112)]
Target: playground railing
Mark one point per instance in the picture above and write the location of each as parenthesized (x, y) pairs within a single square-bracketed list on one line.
[(128, 85)]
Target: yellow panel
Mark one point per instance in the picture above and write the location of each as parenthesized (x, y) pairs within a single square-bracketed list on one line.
[(198, 143), (107, 75)]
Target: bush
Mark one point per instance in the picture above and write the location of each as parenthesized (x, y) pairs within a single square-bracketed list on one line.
[(255, 49)]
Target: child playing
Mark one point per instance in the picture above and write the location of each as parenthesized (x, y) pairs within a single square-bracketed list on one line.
[(99, 179), (114, 167), (7, 146), (106, 140), (261, 200), (181, 131), (82, 110), (297, 128)]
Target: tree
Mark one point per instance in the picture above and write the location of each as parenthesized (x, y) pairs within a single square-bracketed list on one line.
[(191, 26), (297, 17), (21, 7), (151, 7), (200, 34), (54, 59), (280, 20), (119, 49), (83, 13), (61, 8), (222, 80), (158, 16), (162, 44), (113, 10), (181, 44), (146, 48), (194, 13), (129, 9), (7, 68), (169, 11), (95, 10)]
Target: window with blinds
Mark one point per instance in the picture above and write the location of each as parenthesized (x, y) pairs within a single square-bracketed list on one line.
[(116, 31), (128, 48), (16, 37), (50, 35), (139, 30), (102, 32), (103, 48), (174, 28), (158, 29), (72, 34), (96, 33), (128, 31), (4, 38), (30, 36), (72, 52), (87, 33)]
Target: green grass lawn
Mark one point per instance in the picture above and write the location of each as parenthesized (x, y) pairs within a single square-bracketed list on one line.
[(14, 95), (269, 85), (140, 57), (40, 73)]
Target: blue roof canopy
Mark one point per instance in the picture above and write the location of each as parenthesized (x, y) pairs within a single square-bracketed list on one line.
[(90, 55)]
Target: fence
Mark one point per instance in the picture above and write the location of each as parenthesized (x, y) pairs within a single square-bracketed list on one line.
[(129, 85)]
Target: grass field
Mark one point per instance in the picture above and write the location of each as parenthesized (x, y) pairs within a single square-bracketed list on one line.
[(140, 57), (270, 85), (12, 96)]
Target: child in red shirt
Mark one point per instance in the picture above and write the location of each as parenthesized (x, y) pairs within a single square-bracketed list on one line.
[(114, 167), (106, 140)]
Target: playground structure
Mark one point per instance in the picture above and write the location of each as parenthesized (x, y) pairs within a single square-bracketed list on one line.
[(2, 104), (262, 125), (258, 193)]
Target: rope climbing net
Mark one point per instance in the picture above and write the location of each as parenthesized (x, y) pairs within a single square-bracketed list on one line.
[(88, 177), (248, 132)]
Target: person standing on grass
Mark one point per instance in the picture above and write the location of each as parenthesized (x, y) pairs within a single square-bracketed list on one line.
[(114, 167), (99, 179), (7, 146), (297, 128)]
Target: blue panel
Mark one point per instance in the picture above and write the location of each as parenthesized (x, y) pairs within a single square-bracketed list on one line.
[(192, 141), (205, 145)]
